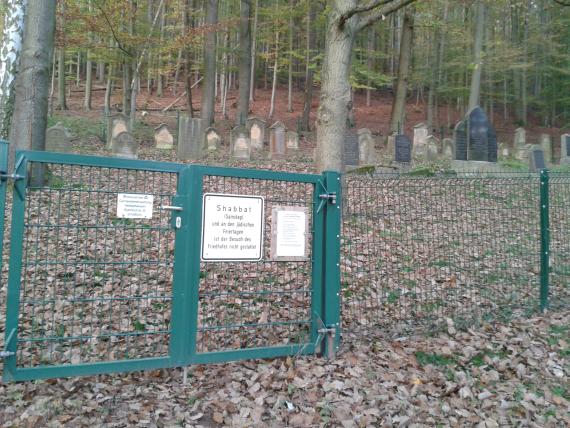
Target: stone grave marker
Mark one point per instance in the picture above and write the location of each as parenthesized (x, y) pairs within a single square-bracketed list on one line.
[(461, 140), (256, 127), (277, 142), (351, 152), (403, 149), (116, 124), (390, 150), (545, 143), (536, 159), (125, 146), (240, 143), (366, 150), (421, 133), (292, 140), (504, 151), (191, 138), (520, 137), (213, 139), (57, 139), (565, 149), (163, 138), (448, 149), (432, 148), (475, 138)]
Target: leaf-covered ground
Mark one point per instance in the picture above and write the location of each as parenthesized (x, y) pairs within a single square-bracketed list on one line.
[(496, 375)]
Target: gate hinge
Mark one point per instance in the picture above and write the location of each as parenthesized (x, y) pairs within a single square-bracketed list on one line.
[(331, 197), (330, 334), (6, 354), (4, 176)]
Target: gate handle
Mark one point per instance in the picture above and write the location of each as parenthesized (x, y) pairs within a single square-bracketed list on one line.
[(170, 208)]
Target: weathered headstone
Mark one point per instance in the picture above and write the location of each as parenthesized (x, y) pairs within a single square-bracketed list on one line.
[(213, 139), (191, 138), (448, 149), (163, 138), (125, 146), (536, 159), (520, 137), (504, 151), (461, 140), (256, 128), (351, 152), (292, 140), (389, 152), (421, 133), (565, 149), (366, 150), (57, 139), (432, 148), (277, 143), (240, 143), (116, 124), (403, 151), (546, 146), (475, 138)]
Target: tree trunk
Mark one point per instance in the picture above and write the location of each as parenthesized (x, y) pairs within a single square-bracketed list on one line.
[(188, 26), (253, 53), (207, 109), (32, 83), (475, 93), (311, 17), (9, 59), (245, 61), (399, 106), (290, 81)]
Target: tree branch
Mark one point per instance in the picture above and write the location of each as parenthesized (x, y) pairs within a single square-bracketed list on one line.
[(563, 2), (382, 12), (365, 8)]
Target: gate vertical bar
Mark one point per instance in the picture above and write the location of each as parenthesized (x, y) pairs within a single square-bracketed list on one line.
[(3, 184), (331, 301), (544, 239)]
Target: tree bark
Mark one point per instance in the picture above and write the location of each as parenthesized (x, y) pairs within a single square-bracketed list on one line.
[(311, 41), (245, 61), (32, 83), (207, 109), (9, 60), (475, 93), (61, 102)]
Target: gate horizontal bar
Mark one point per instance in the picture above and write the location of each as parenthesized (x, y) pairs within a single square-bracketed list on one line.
[(252, 353), (257, 174)]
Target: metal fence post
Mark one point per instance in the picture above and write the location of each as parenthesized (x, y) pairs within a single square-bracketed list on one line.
[(331, 293), (544, 239)]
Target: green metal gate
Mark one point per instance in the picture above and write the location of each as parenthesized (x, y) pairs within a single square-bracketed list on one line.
[(91, 291)]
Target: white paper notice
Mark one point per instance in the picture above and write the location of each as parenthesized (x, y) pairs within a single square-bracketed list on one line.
[(132, 205), (232, 227), (291, 234)]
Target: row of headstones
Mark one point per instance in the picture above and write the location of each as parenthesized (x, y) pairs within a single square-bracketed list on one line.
[(424, 147)]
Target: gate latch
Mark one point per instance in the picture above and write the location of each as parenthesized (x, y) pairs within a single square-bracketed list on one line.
[(4, 176), (6, 354), (170, 208), (331, 197)]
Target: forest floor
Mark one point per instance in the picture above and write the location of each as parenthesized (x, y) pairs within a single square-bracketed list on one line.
[(495, 374)]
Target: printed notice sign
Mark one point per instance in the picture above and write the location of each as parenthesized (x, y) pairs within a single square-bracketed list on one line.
[(232, 227), (132, 205), (289, 240)]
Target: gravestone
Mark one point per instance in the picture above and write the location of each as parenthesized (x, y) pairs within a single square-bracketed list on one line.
[(57, 139), (163, 138), (125, 146), (389, 151), (256, 127), (366, 150), (116, 124), (448, 149), (475, 138), (191, 138), (240, 143), (565, 149), (403, 149), (277, 143), (432, 148), (520, 137), (213, 139), (351, 152), (504, 151), (545, 143), (421, 133), (536, 159), (292, 140)]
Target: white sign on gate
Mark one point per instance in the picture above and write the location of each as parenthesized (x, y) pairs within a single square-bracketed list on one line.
[(232, 227), (134, 205)]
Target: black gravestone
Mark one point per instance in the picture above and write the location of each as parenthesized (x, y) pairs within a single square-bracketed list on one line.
[(482, 142), (537, 161), (351, 152), (567, 142), (460, 136), (403, 149)]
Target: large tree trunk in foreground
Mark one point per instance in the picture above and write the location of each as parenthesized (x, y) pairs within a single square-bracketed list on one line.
[(32, 84), (244, 61), (399, 105), (9, 59)]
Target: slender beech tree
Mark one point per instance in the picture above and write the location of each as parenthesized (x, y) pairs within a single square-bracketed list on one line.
[(32, 83), (9, 59), (208, 104), (244, 61), (346, 18), (475, 93)]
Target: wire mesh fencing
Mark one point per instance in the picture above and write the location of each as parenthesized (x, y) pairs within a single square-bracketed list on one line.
[(418, 251)]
